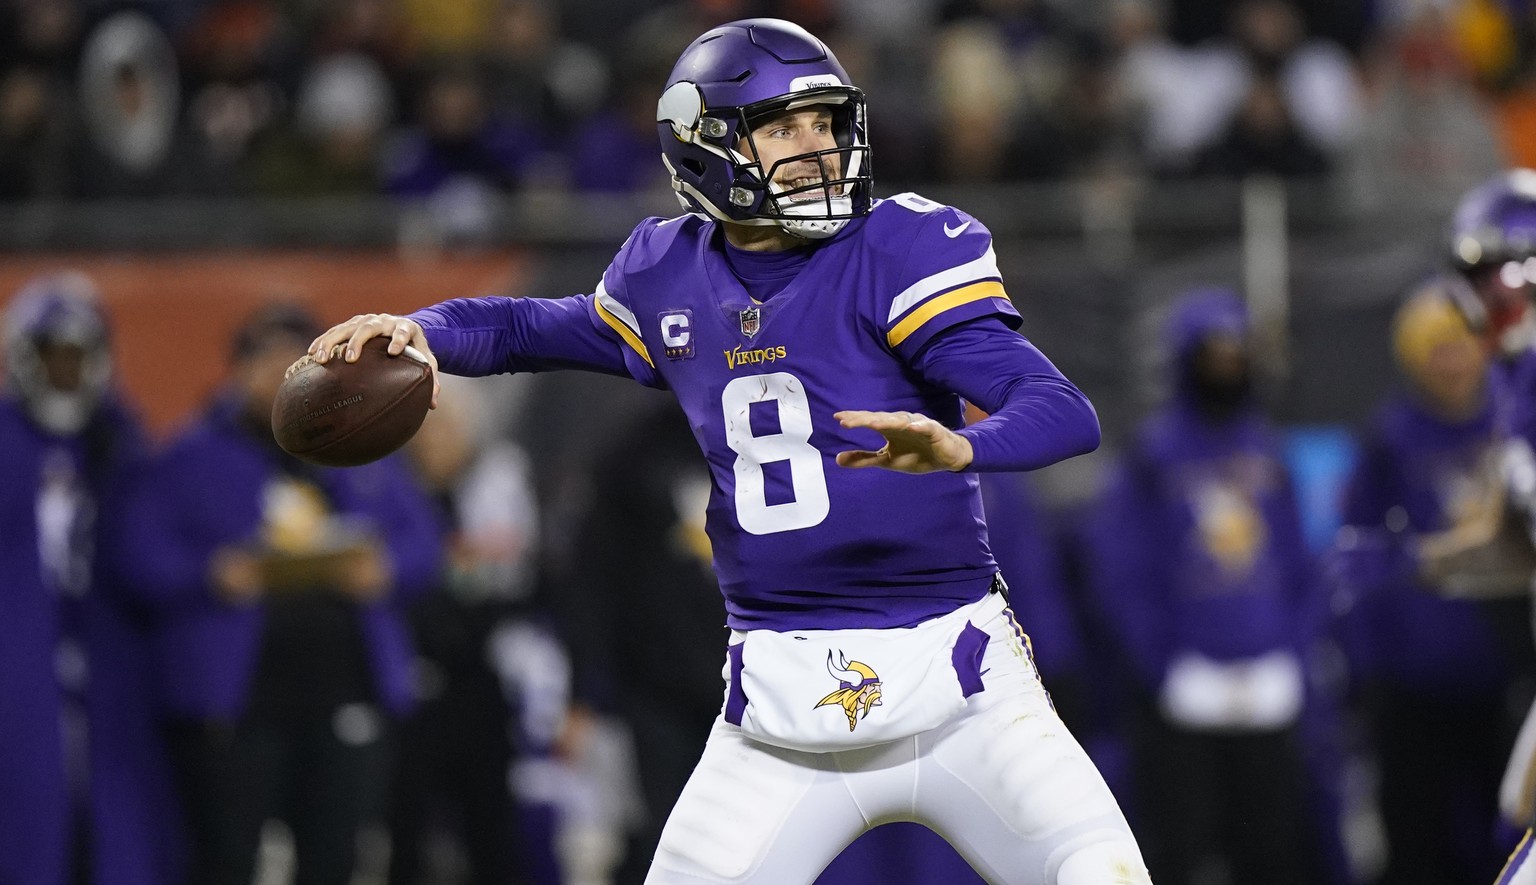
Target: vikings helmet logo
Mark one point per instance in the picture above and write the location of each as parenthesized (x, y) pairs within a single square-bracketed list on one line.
[(859, 688)]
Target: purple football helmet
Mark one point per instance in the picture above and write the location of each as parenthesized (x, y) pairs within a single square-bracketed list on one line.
[(728, 80), (57, 355), (1493, 245)]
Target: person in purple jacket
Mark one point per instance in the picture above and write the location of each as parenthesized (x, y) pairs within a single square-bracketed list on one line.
[(1197, 563), (1493, 248), (280, 641), (874, 671), (1434, 673), (84, 785)]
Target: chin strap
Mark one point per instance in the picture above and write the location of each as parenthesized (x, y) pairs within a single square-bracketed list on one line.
[(61, 414), (813, 228), (816, 227)]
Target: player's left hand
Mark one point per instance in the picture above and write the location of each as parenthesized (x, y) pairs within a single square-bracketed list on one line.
[(913, 443)]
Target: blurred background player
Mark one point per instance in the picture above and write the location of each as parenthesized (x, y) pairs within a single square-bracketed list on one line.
[(455, 748), (477, 773), (278, 591), (1493, 246), (1196, 559), (639, 568), (86, 795), (1435, 676)]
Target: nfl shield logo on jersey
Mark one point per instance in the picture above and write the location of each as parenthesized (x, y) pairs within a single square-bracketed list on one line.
[(751, 319)]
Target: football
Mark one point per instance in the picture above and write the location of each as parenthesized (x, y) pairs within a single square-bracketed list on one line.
[(341, 414)]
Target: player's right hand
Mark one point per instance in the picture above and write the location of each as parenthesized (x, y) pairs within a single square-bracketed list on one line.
[(346, 340)]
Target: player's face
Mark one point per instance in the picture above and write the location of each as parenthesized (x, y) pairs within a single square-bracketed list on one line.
[(1506, 291), (792, 134), (1451, 376), (1221, 374), (1222, 361), (63, 364)]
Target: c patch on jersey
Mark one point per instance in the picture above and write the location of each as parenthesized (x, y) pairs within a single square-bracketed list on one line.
[(677, 333)]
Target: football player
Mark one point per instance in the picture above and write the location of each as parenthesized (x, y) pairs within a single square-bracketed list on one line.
[(874, 672), (1433, 661), (1493, 245), (83, 771), (275, 592)]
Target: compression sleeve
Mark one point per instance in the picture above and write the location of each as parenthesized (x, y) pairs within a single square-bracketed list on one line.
[(1036, 416), (496, 334)]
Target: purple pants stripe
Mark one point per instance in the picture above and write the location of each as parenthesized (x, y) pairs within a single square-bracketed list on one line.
[(736, 698), (969, 648)]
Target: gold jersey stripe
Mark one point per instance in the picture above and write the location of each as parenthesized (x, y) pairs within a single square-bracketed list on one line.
[(935, 306), (624, 331)]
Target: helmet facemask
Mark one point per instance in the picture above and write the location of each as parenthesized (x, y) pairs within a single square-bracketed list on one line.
[(1493, 245), (57, 357), (836, 180), (61, 379), (1496, 301)]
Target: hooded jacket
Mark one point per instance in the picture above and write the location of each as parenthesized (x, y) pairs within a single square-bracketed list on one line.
[(1196, 543)]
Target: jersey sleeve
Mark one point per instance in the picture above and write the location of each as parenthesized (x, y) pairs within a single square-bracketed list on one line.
[(613, 314), (494, 334), (949, 277)]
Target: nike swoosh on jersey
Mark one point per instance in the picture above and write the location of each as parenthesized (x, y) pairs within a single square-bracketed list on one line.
[(953, 232)]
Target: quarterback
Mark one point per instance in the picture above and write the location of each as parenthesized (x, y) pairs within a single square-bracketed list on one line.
[(875, 672)]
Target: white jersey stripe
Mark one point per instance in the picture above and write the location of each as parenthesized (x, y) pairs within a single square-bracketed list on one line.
[(981, 268), (619, 311)]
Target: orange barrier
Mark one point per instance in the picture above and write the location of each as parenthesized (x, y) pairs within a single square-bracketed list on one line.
[(173, 315)]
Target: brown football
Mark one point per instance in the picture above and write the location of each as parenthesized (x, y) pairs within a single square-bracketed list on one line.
[(341, 414)]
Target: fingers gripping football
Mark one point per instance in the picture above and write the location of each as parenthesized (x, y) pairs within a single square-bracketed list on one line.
[(913, 443), (346, 339)]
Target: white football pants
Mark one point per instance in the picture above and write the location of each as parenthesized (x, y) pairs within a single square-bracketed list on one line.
[(1003, 781)]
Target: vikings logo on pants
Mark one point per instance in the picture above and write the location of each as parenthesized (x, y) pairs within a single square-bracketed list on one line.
[(859, 688)]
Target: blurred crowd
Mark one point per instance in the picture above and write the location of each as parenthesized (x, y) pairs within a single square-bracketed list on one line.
[(458, 101)]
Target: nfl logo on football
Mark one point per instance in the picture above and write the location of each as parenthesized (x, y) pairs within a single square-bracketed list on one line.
[(751, 318)]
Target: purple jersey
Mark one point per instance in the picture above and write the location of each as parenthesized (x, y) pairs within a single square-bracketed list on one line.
[(798, 542), (1514, 384)]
